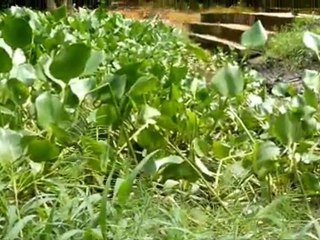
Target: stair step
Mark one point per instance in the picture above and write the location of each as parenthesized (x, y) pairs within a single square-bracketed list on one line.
[(269, 20), (210, 42), (228, 31)]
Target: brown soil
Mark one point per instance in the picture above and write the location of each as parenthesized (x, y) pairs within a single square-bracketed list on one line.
[(173, 17)]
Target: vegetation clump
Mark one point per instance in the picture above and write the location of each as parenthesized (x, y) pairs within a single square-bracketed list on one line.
[(109, 130), (287, 46)]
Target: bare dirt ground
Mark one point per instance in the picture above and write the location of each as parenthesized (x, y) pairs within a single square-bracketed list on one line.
[(173, 17)]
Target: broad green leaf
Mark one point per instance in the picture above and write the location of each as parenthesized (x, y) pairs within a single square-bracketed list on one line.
[(18, 90), (311, 182), (42, 150), (60, 12), (35, 21), (70, 62), (280, 89), (255, 37), (200, 147), (191, 123), (18, 11), (203, 167), (6, 111), (106, 115), (220, 150), (18, 57), (175, 92), (265, 151), (118, 86), (25, 73), (287, 128), (81, 87), (311, 80), (309, 158), (5, 61), (254, 100), (16, 32), (94, 61), (159, 70), (312, 41), (168, 123), (228, 81), (177, 74), (45, 62), (126, 186), (50, 111), (182, 171), (114, 86), (310, 98), (144, 85), (70, 100), (172, 159), (297, 102), (171, 108), (148, 114), (131, 71), (170, 184), (10, 145), (35, 167), (194, 87), (61, 135), (57, 37), (151, 139), (6, 47)]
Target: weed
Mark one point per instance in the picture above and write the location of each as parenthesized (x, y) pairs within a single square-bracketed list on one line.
[(287, 45), (109, 130)]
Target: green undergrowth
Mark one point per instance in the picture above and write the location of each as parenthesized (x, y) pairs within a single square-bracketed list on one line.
[(112, 129), (287, 45)]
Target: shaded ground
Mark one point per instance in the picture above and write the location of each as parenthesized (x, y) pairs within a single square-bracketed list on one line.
[(276, 71)]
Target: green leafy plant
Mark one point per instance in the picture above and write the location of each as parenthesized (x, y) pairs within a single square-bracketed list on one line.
[(109, 130), (287, 46)]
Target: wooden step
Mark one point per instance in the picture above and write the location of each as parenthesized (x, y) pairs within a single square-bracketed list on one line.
[(211, 42), (228, 31), (269, 20)]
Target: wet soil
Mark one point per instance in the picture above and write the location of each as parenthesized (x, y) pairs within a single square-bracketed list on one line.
[(275, 71)]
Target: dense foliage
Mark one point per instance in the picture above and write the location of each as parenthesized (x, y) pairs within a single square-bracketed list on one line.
[(293, 54), (97, 111)]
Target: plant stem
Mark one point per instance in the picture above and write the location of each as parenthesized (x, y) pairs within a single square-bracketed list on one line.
[(201, 176), (131, 149)]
